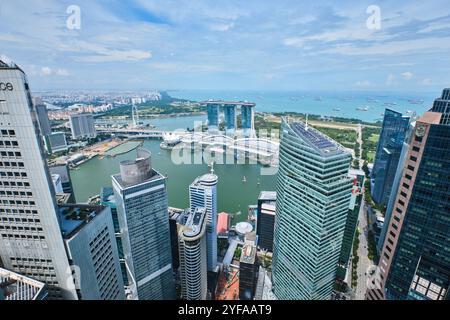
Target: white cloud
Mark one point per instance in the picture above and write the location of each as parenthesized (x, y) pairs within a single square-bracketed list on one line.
[(62, 72), (222, 26), (46, 71), (390, 79), (427, 82), (407, 75), (363, 83)]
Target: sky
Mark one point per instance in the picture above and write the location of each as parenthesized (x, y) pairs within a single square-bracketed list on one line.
[(229, 44)]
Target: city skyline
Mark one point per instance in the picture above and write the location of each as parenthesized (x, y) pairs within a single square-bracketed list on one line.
[(229, 46)]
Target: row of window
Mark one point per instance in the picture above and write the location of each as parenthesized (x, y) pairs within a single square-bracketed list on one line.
[(18, 220), (20, 228), (11, 164), (14, 184), (17, 211), (18, 202), (15, 193), (21, 236), (9, 144), (7, 133), (10, 154)]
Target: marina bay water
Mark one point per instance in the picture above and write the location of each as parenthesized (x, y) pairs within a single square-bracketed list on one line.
[(234, 195), (345, 105)]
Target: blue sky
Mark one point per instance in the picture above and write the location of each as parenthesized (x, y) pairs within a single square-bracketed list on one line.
[(232, 44)]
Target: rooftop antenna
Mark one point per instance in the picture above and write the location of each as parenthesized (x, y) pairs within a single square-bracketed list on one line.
[(306, 125)]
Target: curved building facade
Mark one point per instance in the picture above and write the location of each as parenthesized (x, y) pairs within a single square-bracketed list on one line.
[(313, 197), (203, 194), (192, 249)]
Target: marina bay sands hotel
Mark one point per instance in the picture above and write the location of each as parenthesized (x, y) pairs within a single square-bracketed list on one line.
[(230, 116)]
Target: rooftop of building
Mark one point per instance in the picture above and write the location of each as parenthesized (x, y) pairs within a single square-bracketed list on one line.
[(14, 286), (195, 224), (248, 254), (224, 102), (74, 217), (9, 65), (209, 179), (62, 198), (155, 175), (268, 195), (430, 117), (107, 195), (315, 139)]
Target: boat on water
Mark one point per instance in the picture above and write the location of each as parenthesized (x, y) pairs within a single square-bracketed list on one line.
[(244, 179), (336, 109), (365, 108)]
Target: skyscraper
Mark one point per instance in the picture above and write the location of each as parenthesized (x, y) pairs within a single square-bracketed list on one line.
[(266, 219), (351, 223), (230, 118), (415, 260), (30, 238), (88, 234), (55, 142), (248, 272), (213, 116), (141, 199), (192, 249), (82, 126), (248, 119), (203, 194), (313, 195), (66, 181), (41, 112), (393, 133)]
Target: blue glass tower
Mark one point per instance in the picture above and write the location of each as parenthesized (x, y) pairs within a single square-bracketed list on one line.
[(390, 145), (313, 199), (230, 117), (213, 116)]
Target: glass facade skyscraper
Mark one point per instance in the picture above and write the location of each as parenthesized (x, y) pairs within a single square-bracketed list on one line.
[(415, 258), (203, 194), (393, 133), (213, 116), (230, 117), (313, 197), (142, 209)]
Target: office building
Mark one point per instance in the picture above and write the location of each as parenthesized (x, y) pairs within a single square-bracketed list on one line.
[(14, 286), (177, 218), (107, 199), (141, 199), (351, 223), (192, 253), (393, 133), (66, 181), (57, 184), (415, 259), (265, 219), (213, 117), (82, 126), (55, 142), (248, 272), (30, 239), (313, 197), (42, 117), (203, 194), (395, 187), (88, 234)]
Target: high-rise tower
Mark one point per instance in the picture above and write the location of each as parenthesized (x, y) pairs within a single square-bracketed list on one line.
[(415, 258), (192, 249), (141, 200), (203, 194), (30, 237), (313, 197), (393, 133)]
